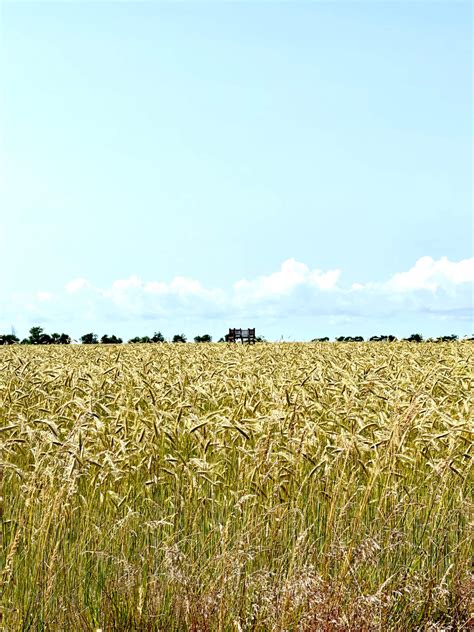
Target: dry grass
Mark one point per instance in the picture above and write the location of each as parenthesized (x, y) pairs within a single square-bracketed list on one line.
[(217, 487)]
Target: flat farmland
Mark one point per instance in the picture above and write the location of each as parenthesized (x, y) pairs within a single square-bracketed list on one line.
[(281, 486)]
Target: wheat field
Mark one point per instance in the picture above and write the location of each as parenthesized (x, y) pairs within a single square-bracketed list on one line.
[(282, 486)]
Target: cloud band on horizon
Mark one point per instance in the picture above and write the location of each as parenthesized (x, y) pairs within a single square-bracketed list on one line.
[(441, 288)]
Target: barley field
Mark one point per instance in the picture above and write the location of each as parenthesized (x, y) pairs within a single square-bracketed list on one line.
[(285, 486)]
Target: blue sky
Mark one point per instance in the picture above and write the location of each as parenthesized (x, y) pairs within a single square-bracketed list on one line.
[(302, 167)]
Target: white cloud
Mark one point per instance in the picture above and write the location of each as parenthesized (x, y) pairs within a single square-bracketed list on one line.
[(156, 287), (148, 295), (428, 274), (76, 285), (325, 280), (123, 285), (44, 296), (292, 275), (184, 287), (437, 288)]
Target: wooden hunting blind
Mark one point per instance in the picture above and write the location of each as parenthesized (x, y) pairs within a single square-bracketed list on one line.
[(242, 335)]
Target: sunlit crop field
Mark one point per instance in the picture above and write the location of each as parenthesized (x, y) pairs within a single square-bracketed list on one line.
[(220, 487)]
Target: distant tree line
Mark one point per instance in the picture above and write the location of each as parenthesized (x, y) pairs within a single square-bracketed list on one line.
[(39, 337), (390, 338)]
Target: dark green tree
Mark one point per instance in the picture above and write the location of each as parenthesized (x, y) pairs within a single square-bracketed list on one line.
[(89, 339), (142, 340), (110, 340), (204, 338), (451, 338), (414, 338), (157, 337), (179, 338), (35, 335), (8, 339)]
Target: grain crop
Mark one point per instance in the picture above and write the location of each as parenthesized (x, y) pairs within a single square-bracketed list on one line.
[(282, 486)]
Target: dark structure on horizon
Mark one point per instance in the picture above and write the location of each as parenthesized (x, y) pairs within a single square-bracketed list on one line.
[(242, 335)]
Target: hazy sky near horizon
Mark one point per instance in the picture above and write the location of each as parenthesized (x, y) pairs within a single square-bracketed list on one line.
[(303, 167)]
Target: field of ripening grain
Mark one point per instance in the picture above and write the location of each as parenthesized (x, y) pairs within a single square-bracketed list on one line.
[(286, 486)]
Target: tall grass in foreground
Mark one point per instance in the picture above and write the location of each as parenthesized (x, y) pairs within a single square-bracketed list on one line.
[(216, 487)]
